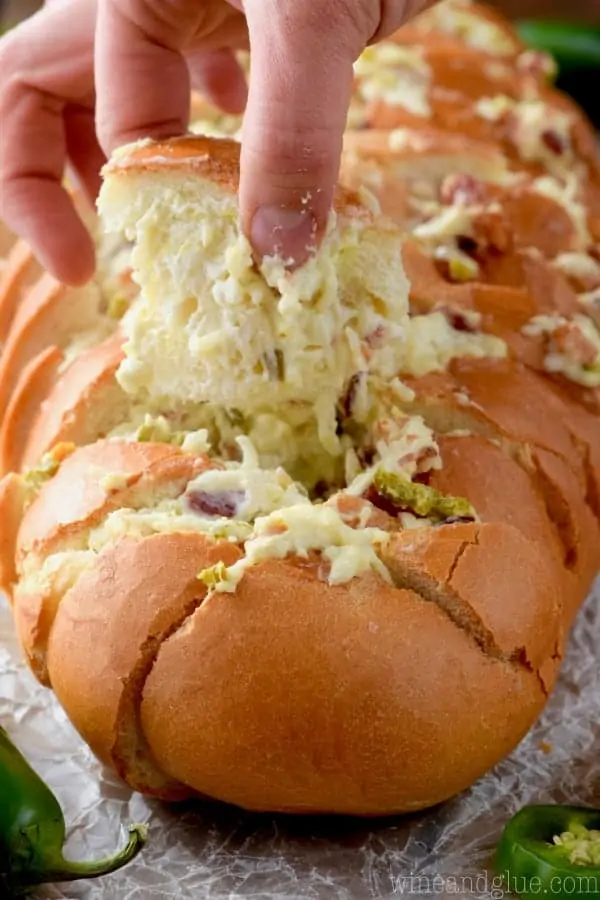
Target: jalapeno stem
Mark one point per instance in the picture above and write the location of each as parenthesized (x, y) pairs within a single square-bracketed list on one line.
[(56, 869)]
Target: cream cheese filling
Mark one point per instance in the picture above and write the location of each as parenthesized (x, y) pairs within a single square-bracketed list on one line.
[(573, 347)]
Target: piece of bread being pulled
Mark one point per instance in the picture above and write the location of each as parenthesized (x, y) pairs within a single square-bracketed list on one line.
[(212, 325)]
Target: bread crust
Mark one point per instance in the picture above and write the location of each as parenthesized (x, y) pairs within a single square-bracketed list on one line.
[(39, 315), (20, 271), (428, 23), (298, 742), (13, 497), (82, 405), (31, 390), (380, 694), (98, 658), (216, 159), (83, 498), (91, 483)]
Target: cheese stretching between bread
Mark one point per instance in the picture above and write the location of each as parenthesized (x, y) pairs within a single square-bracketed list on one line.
[(313, 542)]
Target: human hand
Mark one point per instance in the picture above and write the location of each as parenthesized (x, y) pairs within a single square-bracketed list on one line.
[(302, 53), (147, 52), (47, 107), (47, 115)]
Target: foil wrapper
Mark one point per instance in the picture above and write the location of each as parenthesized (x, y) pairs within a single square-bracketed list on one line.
[(205, 852)]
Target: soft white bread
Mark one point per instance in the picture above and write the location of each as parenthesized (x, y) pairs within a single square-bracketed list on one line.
[(223, 332)]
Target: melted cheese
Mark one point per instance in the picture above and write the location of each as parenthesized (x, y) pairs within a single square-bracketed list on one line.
[(532, 125), (578, 265), (404, 445), (210, 329), (457, 18), (298, 530), (393, 74), (432, 343), (573, 348)]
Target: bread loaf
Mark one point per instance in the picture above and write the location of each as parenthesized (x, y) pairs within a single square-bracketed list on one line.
[(313, 542)]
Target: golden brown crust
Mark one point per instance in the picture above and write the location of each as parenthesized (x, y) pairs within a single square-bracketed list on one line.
[(369, 737), (463, 569), (98, 657), (216, 159), (19, 273), (39, 316), (32, 388), (13, 496), (81, 496), (84, 404), (429, 23), (87, 492), (7, 240), (502, 489)]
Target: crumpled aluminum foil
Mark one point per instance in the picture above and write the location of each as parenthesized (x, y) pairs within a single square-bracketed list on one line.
[(205, 852)]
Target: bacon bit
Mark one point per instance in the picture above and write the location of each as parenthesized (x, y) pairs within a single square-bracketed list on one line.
[(424, 457), (423, 477), (463, 190), (569, 340), (536, 63), (467, 244), (553, 141), (216, 503), (458, 319), (594, 252), (349, 398), (546, 747), (383, 503), (350, 508), (376, 338)]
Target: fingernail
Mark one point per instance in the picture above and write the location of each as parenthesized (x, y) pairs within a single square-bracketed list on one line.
[(287, 233)]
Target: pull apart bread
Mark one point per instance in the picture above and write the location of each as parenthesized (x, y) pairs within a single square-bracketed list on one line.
[(313, 541)]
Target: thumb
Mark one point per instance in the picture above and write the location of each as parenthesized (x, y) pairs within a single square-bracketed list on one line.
[(299, 93)]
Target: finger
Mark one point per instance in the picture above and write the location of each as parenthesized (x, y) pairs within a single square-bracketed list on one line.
[(142, 80), (37, 79), (220, 78), (395, 13), (84, 151), (300, 87)]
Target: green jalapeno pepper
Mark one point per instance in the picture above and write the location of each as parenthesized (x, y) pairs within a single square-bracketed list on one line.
[(551, 851), (32, 830), (576, 51), (573, 46)]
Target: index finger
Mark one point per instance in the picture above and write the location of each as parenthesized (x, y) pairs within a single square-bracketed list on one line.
[(142, 79)]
